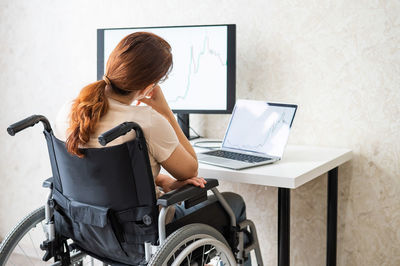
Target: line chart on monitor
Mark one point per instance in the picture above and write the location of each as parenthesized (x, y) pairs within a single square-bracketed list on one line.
[(194, 66), (199, 74)]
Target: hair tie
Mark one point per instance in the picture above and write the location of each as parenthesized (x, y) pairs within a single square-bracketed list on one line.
[(105, 78)]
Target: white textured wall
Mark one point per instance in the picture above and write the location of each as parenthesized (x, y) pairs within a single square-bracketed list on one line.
[(339, 60)]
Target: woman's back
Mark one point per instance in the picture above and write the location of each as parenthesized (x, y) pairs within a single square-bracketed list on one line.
[(160, 136)]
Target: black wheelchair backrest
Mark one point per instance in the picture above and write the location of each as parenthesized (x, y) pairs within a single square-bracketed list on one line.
[(105, 201), (117, 177)]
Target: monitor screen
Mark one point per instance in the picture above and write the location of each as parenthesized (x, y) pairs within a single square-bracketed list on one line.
[(204, 65)]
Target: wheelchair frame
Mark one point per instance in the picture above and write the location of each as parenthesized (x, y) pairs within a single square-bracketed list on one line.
[(56, 246)]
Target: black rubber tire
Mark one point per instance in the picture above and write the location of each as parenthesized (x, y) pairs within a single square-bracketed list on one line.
[(18, 232), (178, 237)]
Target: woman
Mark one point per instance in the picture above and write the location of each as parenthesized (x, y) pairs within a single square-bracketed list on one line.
[(135, 67)]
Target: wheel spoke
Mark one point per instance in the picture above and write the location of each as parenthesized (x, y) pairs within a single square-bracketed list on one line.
[(207, 256), (34, 246), (202, 256), (26, 256), (190, 258), (11, 262)]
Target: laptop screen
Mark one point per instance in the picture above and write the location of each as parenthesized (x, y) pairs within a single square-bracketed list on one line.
[(260, 127)]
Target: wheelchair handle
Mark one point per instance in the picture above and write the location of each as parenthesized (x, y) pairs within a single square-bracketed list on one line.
[(118, 131), (29, 122)]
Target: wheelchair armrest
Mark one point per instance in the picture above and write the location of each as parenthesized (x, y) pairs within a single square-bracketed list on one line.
[(48, 183), (185, 193)]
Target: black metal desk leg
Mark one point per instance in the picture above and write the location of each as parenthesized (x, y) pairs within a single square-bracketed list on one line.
[(283, 227), (331, 240)]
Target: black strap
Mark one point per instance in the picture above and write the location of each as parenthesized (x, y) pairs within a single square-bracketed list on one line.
[(61, 200), (143, 177), (134, 214), (54, 166), (117, 228)]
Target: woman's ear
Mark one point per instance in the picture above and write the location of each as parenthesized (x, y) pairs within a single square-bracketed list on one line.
[(146, 91)]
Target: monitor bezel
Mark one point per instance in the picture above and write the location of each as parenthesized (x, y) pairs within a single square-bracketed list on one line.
[(231, 64)]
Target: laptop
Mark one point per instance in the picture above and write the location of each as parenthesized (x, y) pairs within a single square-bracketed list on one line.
[(256, 135)]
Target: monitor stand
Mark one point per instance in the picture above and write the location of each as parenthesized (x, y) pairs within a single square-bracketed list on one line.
[(183, 121)]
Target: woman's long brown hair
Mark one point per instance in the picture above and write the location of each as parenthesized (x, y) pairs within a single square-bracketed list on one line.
[(139, 60)]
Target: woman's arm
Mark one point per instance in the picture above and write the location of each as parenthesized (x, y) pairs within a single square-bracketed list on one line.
[(179, 133), (168, 183), (182, 163)]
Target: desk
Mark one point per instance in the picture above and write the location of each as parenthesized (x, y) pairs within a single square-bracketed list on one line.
[(300, 165)]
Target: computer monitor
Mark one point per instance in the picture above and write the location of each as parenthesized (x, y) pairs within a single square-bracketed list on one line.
[(203, 78)]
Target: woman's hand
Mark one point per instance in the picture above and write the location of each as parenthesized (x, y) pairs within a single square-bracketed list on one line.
[(196, 181), (157, 101)]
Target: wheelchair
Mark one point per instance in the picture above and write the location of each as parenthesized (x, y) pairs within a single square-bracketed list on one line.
[(103, 209)]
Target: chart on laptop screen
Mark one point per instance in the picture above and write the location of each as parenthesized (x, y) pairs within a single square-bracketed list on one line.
[(198, 79), (259, 127)]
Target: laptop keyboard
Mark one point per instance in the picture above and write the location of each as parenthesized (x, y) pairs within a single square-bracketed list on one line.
[(238, 156)]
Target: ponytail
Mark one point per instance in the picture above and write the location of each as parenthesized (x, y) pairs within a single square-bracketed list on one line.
[(86, 110), (140, 59)]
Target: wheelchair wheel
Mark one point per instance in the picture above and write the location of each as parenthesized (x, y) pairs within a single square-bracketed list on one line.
[(22, 245), (195, 245)]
